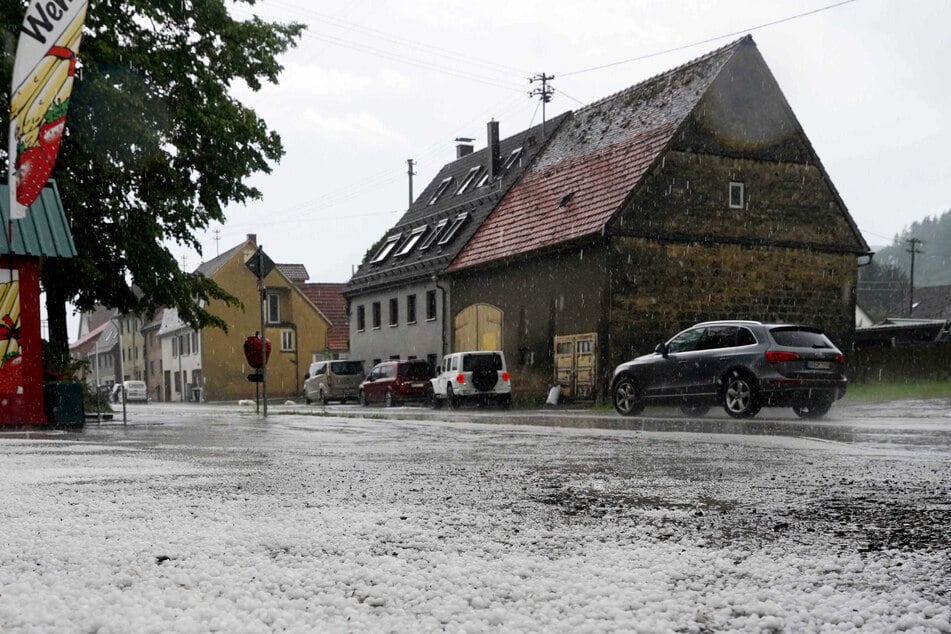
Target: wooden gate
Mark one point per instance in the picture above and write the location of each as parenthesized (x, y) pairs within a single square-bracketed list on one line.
[(576, 365), (478, 327)]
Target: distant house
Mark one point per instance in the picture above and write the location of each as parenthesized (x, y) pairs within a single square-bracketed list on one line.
[(398, 302), (329, 300), (99, 348), (932, 302), (182, 365), (294, 325), (693, 195)]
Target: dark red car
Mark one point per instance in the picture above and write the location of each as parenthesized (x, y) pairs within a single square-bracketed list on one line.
[(393, 382)]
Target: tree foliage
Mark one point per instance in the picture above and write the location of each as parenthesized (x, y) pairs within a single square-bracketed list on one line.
[(933, 260), (156, 146)]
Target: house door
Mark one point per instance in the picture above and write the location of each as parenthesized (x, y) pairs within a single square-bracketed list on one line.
[(576, 365), (478, 327)]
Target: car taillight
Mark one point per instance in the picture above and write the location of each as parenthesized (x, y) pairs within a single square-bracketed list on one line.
[(840, 358), (505, 377), (779, 356), (460, 378)]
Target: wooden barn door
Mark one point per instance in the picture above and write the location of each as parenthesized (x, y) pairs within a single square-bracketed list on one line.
[(478, 327), (576, 365)]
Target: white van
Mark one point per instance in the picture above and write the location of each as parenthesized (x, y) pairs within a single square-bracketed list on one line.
[(135, 392), (332, 380)]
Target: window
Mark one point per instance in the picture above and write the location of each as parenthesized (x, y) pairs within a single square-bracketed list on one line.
[(411, 241), (470, 177), (184, 344), (361, 318), (287, 340), (273, 308), (439, 190), (174, 346), (385, 249), (195, 342), (484, 179), (411, 309), (736, 195), (453, 228), (432, 236), (394, 312), (178, 382), (513, 158), (430, 305), (686, 341), (376, 314)]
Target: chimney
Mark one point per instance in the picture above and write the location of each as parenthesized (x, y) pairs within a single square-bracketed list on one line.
[(464, 146), (495, 160), (253, 238)]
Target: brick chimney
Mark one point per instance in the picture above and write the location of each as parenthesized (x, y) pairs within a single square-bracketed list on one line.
[(463, 149), (253, 238), (495, 158)]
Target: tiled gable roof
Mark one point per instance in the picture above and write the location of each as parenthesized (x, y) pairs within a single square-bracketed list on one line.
[(475, 202), (593, 163), (296, 273), (329, 300)]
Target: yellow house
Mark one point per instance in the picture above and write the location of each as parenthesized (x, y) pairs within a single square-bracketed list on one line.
[(294, 325)]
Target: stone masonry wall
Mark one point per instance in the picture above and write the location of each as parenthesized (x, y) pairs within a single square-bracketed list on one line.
[(660, 288)]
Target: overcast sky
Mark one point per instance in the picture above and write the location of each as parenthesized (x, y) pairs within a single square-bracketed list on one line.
[(374, 84)]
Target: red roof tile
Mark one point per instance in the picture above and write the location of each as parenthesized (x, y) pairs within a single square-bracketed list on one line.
[(328, 298)]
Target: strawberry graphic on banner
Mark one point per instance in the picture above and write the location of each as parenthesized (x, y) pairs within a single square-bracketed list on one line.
[(43, 73)]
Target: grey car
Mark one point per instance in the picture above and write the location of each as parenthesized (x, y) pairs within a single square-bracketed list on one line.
[(741, 365)]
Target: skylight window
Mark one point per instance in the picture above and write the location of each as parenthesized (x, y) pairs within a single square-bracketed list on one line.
[(432, 236), (453, 228), (470, 177), (411, 241), (484, 179), (386, 248), (512, 159), (439, 190)]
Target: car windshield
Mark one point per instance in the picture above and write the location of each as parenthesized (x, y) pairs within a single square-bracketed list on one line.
[(472, 361), (415, 371), (347, 367), (800, 338)]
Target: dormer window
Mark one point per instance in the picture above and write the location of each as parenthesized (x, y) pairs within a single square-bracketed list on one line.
[(484, 179), (469, 179), (386, 248), (411, 241), (439, 190), (512, 159), (432, 236), (736, 195), (453, 228)]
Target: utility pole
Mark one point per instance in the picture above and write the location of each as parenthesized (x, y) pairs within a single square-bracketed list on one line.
[(913, 242), (217, 233), (545, 92), (409, 172)]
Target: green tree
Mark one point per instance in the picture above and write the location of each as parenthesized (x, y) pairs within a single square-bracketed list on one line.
[(155, 147), (933, 254)]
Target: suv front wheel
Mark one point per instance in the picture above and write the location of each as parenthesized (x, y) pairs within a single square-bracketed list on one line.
[(740, 396), (627, 397)]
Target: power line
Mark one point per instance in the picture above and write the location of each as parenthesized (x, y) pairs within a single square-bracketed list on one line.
[(708, 40)]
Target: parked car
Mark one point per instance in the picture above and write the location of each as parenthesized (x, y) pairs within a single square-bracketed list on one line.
[(394, 382), (741, 365), (135, 392), (336, 380), (478, 376)]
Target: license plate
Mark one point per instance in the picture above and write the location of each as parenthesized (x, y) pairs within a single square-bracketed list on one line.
[(418, 384), (818, 365)]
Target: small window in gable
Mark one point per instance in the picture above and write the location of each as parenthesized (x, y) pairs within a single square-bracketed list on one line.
[(411, 241), (386, 248), (439, 190), (453, 228), (736, 195), (513, 158), (432, 236), (469, 179)]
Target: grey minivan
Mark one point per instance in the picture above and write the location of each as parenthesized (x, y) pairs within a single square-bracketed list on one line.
[(332, 381)]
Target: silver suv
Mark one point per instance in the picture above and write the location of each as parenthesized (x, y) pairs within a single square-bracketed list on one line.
[(741, 365), (480, 377)]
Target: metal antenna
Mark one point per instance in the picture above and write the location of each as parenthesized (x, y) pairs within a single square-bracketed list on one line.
[(409, 172)]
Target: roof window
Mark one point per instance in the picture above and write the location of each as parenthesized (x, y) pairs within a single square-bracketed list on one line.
[(411, 241), (470, 177), (432, 236), (439, 190), (386, 248), (513, 158), (453, 228)]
